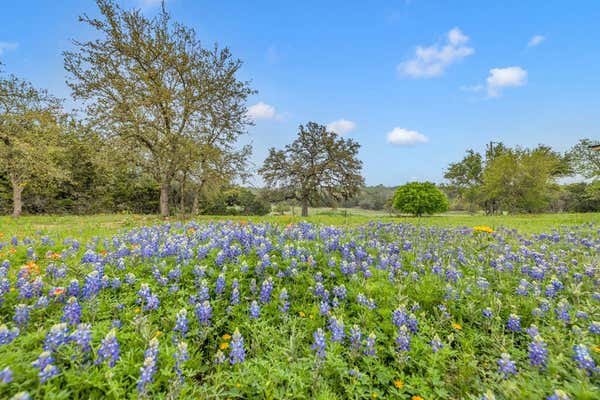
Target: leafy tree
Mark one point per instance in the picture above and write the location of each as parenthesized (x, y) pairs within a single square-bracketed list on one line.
[(319, 165), (466, 175), (152, 84), (584, 160), (30, 123), (418, 198), (521, 180)]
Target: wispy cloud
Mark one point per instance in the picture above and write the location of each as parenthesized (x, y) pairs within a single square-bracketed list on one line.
[(536, 40), (262, 110), (404, 137), (431, 61), (501, 78), (341, 126), (5, 46)]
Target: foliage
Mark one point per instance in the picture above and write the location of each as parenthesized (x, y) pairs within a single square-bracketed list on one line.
[(420, 198), (318, 166), (584, 160), (151, 83), (444, 288), (30, 122)]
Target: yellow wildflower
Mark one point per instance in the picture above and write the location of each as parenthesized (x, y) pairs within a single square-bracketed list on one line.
[(226, 336), (483, 228), (398, 384), (224, 346), (302, 314), (456, 326), (417, 398)]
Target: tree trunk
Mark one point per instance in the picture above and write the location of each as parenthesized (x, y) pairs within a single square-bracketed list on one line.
[(17, 201), (182, 201), (164, 199), (195, 204), (305, 208)]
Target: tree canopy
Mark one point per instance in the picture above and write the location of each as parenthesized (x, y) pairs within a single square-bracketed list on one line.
[(418, 198), (150, 82), (317, 166)]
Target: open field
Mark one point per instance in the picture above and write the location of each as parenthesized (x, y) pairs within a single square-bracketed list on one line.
[(339, 306)]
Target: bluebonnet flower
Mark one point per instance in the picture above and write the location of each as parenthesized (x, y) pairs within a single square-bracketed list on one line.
[(219, 357), (203, 312), (583, 358), (514, 323), (355, 337), (532, 331), (8, 335), (56, 337), (92, 284), (506, 366), (369, 349), (109, 349), (45, 367), (71, 311), (203, 291), (235, 296), (538, 352), (253, 287), (265, 290), (82, 337), (319, 343), (181, 355), (487, 312), (73, 288), (595, 328), (21, 317), (283, 300), (148, 370), (562, 311), (362, 299), (336, 326), (148, 300), (324, 308), (403, 339), (6, 375), (220, 284), (181, 322), (237, 354), (254, 310), (436, 344)]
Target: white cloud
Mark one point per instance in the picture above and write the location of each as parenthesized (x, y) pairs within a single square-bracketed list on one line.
[(4, 46), (404, 137), (535, 40), (341, 126), (501, 78), (432, 61), (262, 110)]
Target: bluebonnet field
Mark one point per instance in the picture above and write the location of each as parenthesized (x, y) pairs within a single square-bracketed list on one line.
[(265, 310)]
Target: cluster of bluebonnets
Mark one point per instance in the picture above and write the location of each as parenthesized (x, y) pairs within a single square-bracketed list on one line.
[(381, 310)]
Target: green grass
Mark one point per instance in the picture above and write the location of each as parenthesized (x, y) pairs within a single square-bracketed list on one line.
[(86, 227)]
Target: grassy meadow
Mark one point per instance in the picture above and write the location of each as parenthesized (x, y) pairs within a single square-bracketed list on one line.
[(339, 305)]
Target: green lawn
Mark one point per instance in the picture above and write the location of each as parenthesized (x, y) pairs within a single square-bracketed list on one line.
[(102, 225)]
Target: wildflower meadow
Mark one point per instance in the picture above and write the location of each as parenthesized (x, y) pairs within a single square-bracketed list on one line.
[(249, 310)]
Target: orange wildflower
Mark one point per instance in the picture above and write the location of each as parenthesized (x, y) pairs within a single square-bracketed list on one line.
[(398, 384), (58, 291), (226, 336)]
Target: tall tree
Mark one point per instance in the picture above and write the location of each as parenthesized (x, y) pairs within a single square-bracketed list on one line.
[(30, 122), (151, 82), (319, 165), (584, 160), (466, 175)]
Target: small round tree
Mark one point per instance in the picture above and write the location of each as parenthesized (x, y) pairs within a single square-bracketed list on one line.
[(420, 198)]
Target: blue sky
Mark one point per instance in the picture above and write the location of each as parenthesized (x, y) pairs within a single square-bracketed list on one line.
[(415, 82)]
